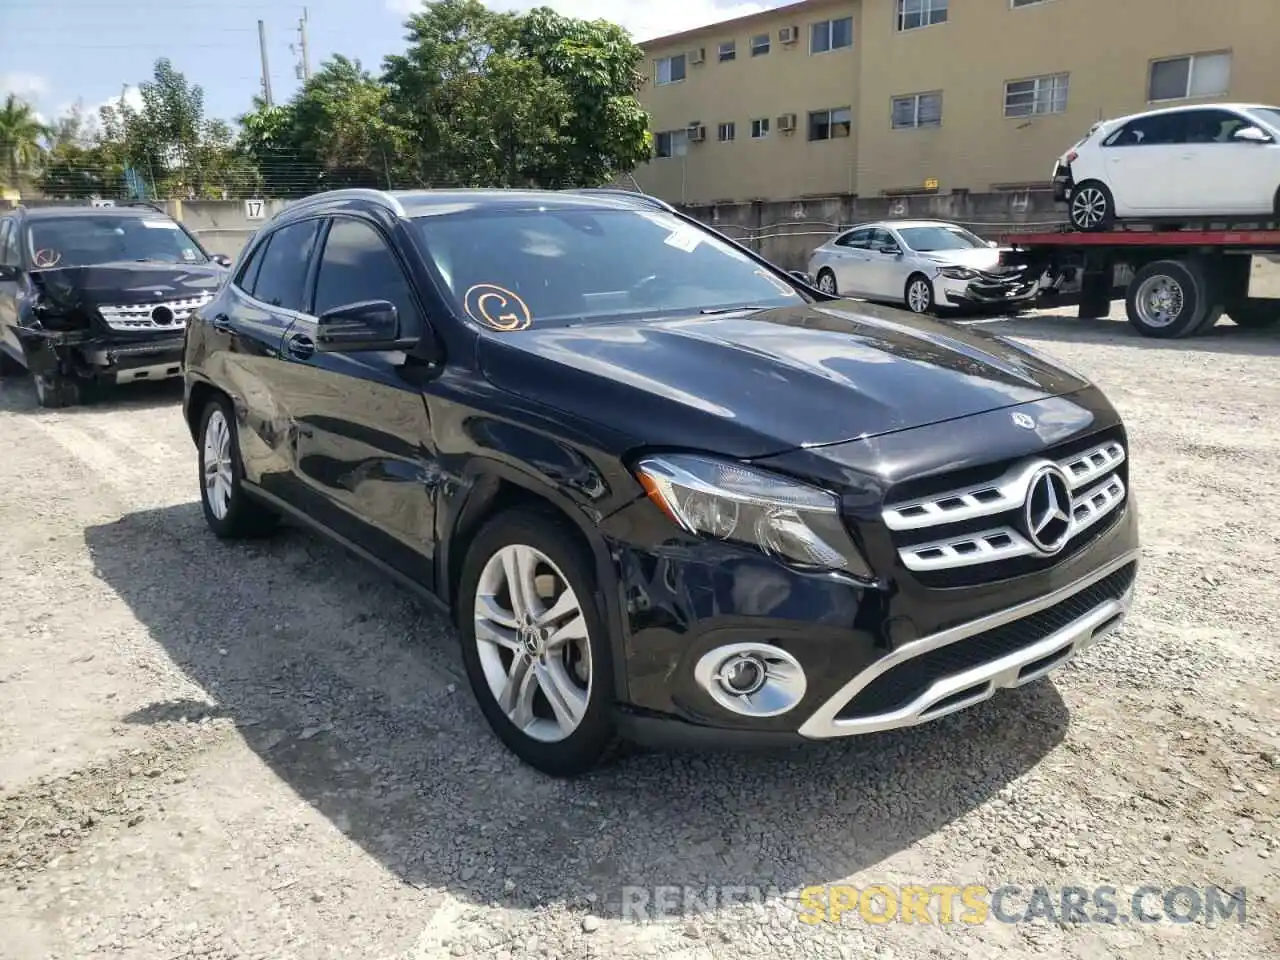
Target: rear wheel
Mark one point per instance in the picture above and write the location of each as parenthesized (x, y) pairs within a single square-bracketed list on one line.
[(919, 294), (1093, 207), (1169, 299), (534, 643), (228, 509), (827, 282)]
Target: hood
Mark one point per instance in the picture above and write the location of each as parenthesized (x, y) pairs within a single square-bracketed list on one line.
[(124, 284), (752, 384), (975, 258)]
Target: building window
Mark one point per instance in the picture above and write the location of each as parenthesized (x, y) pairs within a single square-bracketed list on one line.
[(831, 35), (917, 110), (1025, 3), (913, 14), (760, 128), (1201, 75), (671, 69), (760, 45), (729, 50), (727, 132), (670, 143), (830, 124), (1036, 95)]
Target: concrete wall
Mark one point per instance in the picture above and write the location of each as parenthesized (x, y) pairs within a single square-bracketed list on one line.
[(222, 226)]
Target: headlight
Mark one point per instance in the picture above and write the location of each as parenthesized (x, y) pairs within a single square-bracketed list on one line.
[(957, 273), (791, 521)]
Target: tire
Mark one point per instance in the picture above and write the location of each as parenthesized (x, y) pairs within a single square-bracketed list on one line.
[(827, 277), (228, 509), (580, 735), (918, 294), (1169, 299), (1093, 207), (1255, 314), (55, 391)]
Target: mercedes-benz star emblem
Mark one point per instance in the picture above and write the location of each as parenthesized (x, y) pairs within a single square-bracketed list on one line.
[(1047, 512), (1024, 421), (162, 316)]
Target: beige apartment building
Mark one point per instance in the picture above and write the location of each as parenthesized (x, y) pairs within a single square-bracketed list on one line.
[(884, 97)]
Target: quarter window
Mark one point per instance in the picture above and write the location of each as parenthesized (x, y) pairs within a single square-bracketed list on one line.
[(831, 35), (760, 128), (760, 45), (358, 265), (830, 124), (280, 277), (728, 50), (1037, 95), (670, 69), (1200, 75), (913, 14), (917, 110)]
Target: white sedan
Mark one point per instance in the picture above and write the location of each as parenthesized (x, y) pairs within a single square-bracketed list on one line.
[(1210, 160), (924, 264)]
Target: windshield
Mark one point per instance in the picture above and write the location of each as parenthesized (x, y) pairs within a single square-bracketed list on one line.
[(932, 239), (1269, 115), (84, 241), (511, 269)]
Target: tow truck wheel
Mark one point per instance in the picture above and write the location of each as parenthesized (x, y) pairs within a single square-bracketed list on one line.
[(1092, 207), (1168, 299), (54, 391)]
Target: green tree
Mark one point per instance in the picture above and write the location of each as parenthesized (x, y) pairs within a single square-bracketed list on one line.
[(21, 133)]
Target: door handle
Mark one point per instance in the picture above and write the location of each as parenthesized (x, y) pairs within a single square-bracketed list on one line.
[(221, 322), (300, 346)]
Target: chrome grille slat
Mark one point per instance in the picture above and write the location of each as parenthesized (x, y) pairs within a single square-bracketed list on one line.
[(1006, 494), (137, 316)]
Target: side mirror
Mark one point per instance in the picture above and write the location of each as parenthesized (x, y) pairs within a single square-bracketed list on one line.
[(366, 325), (1251, 135), (890, 249), (221, 259)]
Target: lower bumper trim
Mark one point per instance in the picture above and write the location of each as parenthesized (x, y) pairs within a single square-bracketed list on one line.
[(967, 687)]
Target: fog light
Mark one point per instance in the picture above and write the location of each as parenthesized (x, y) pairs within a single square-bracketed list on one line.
[(752, 679)]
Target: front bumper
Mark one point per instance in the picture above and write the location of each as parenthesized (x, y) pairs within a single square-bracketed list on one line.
[(127, 361), (986, 291), (862, 675)]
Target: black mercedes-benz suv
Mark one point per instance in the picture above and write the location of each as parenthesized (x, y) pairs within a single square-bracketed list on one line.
[(668, 492), (93, 295)]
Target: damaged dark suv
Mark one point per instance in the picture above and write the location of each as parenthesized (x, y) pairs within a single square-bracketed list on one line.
[(667, 491), (92, 295)]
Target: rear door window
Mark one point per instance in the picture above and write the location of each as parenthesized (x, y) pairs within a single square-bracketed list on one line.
[(282, 277)]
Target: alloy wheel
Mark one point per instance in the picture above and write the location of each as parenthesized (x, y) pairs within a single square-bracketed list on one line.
[(827, 283), (1160, 301), (1088, 208), (532, 640), (919, 297), (217, 464)]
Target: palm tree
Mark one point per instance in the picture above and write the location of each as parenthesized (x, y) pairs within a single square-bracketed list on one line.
[(20, 133)]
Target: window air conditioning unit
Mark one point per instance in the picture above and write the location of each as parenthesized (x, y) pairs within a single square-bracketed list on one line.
[(787, 123), (698, 56), (788, 34), (697, 133)]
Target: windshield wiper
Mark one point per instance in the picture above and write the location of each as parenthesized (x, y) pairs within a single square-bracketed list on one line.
[(714, 311)]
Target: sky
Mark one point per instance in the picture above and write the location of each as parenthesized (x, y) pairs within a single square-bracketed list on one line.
[(55, 53)]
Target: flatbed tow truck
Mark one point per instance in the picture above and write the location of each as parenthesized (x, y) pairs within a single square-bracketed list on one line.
[(1184, 277)]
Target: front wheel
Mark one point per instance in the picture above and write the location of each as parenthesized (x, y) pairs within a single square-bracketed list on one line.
[(56, 390), (534, 643), (919, 294), (1093, 208), (228, 509)]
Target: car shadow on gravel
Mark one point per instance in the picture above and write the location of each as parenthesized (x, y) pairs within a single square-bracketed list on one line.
[(1224, 338), (352, 691), (18, 395)]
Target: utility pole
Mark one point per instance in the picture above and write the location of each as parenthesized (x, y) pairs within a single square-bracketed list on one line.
[(266, 70), (302, 41)]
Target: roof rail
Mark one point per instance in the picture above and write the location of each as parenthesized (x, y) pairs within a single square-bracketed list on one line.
[(352, 193)]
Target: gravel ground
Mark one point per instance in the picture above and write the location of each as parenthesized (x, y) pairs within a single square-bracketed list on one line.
[(266, 751)]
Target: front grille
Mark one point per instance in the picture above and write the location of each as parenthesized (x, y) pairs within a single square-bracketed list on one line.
[(160, 315), (900, 685), (976, 528)]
